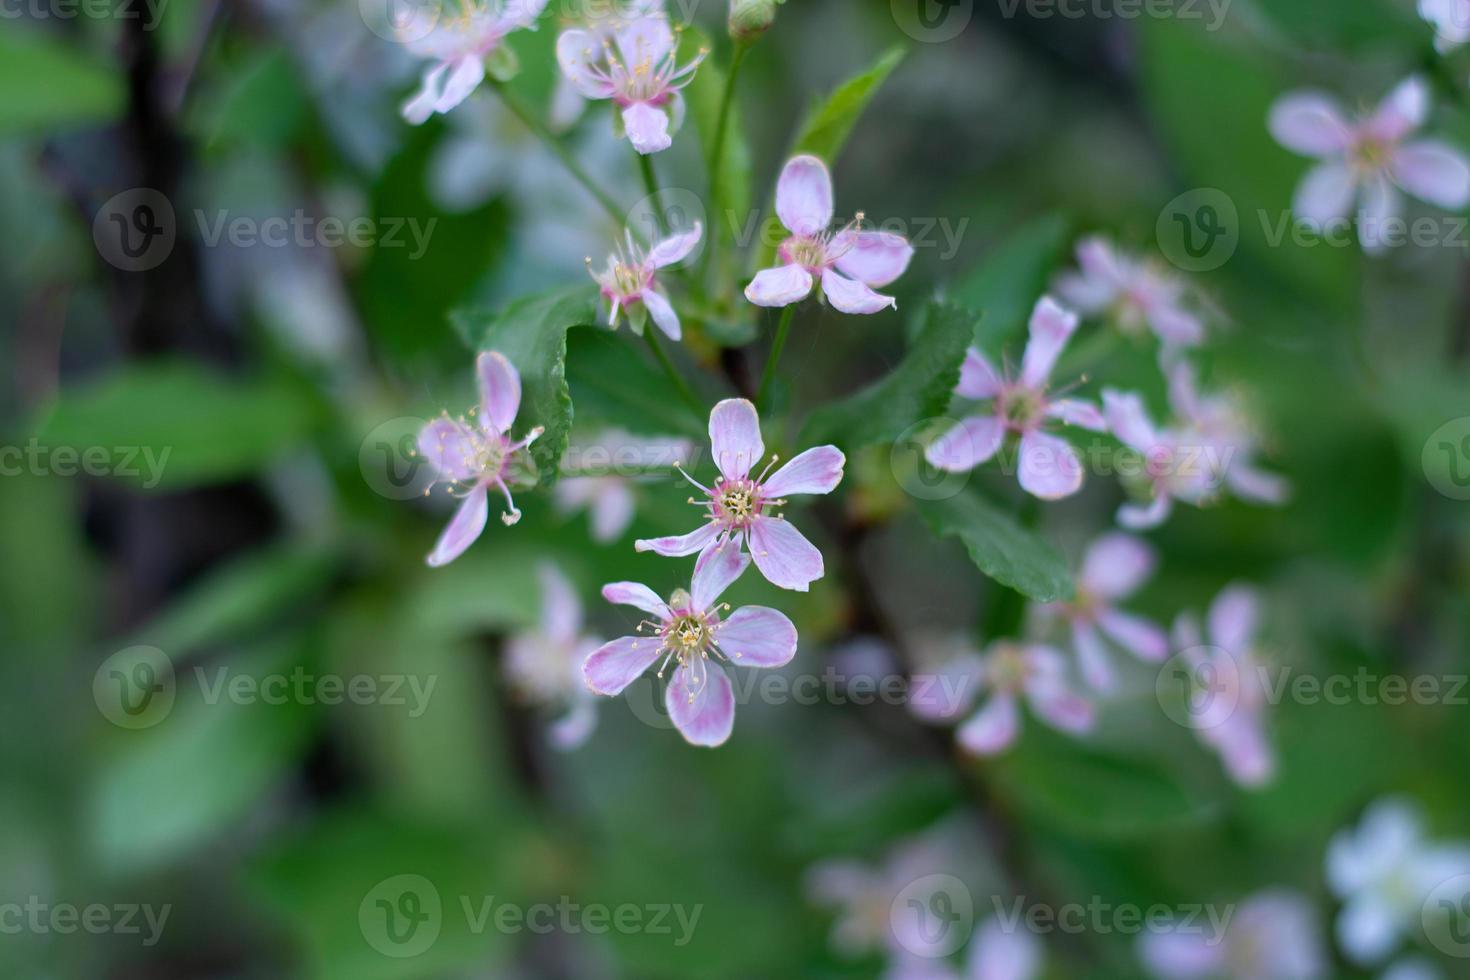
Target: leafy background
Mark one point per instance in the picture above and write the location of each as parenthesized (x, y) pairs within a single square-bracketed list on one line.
[(266, 547)]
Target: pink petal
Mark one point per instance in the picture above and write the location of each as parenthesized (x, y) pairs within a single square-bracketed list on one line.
[(1402, 111), (818, 470), (520, 13), (1002, 952), (638, 596), (978, 377), (1325, 194), (1233, 618), (1100, 281), (783, 555), (417, 110), (1075, 411), (675, 248), (1176, 326), (678, 547), (1060, 708), (1049, 468), (1128, 420), (717, 569), (613, 666), (1051, 328), (465, 75), (1381, 206), (992, 728), (1116, 564), (701, 705), (645, 41), (663, 313), (1250, 483), (755, 636), (804, 196), (574, 728), (1141, 518), (613, 509), (1170, 953), (647, 128), (1309, 123), (449, 447), (873, 257), (851, 296), (1138, 636), (735, 437), (1244, 750), (941, 694), (780, 286), (1433, 171), (967, 445), (464, 528), (500, 390), (578, 52), (561, 613), (1093, 660)]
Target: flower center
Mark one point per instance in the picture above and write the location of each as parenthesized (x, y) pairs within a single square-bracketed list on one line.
[(738, 503), (1007, 669), (1022, 408), (1372, 155), (628, 278), (809, 253)]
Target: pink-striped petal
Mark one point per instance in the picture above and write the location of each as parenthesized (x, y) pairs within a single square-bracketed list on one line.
[(735, 437), (818, 470), (677, 547), (783, 555), (755, 636), (464, 528), (967, 445), (804, 195), (717, 569), (500, 391), (638, 596), (701, 705), (613, 666)]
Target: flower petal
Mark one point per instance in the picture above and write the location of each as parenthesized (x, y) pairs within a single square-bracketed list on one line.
[(613, 509), (520, 13), (1075, 411), (578, 53), (783, 555), (1145, 640), (574, 728), (735, 437), (663, 314), (966, 445), (992, 728), (647, 128), (678, 547), (717, 569), (417, 110), (500, 390), (1433, 171), (644, 40), (1171, 953), (1402, 111), (1050, 468), (675, 248), (1002, 951), (1367, 929), (1093, 660), (1256, 485), (464, 528), (851, 296), (1116, 564), (701, 704), (1140, 518), (638, 596), (1051, 327), (1309, 123), (1176, 326), (755, 636), (561, 612), (1324, 195), (613, 666), (804, 195), (1233, 618), (465, 75), (780, 286), (1246, 755), (449, 447), (1060, 708), (1128, 420), (818, 470), (1381, 206), (978, 377), (872, 257)]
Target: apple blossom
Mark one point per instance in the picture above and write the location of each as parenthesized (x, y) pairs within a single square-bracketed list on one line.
[(458, 46), (629, 285)]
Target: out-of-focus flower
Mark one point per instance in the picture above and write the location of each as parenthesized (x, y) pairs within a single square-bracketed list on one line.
[(849, 264), (609, 496), (1228, 705), (1135, 293), (1384, 871), (1014, 671), (738, 505), (1451, 22), (1274, 935), (997, 952), (1049, 467), (947, 681), (749, 19), (629, 285), (472, 456), (544, 664), (602, 21), (1116, 566), (1173, 467), (458, 46), (1225, 431), (690, 631), (636, 68), (1414, 968), (1368, 160)]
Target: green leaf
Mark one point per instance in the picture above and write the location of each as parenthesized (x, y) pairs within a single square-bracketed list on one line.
[(919, 388), (1011, 279), (705, 95), (1002, 548), (261, 103), (171, 424), (51, 85), (532, 333), (613, 385)]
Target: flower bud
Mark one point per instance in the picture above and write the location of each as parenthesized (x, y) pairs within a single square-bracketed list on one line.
[(749, 19)]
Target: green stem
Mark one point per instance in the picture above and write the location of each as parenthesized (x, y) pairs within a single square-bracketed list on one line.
[(546, 136), (769, 374), (650, 185), (650, 333), (717, 154)]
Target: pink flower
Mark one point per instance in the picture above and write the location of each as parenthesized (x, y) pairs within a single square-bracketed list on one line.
[(1049, 467), (1227, 707), (603, 21), (1013, 671), (1173, 467), (544, 664), (608, 496), (1273, 936), (1224, 430), (1135, 293), (470, 457), (628, 282), (690, 631), (458, 46), (1368, 159), (739, 505), (1451, 22), (847, 263), (1114, 568), (636, 69)]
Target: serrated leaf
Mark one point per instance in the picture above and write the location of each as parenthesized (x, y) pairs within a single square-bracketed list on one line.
[(919, 388), (614, 386), (1002, 548), (51, 85), (532, 333)]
